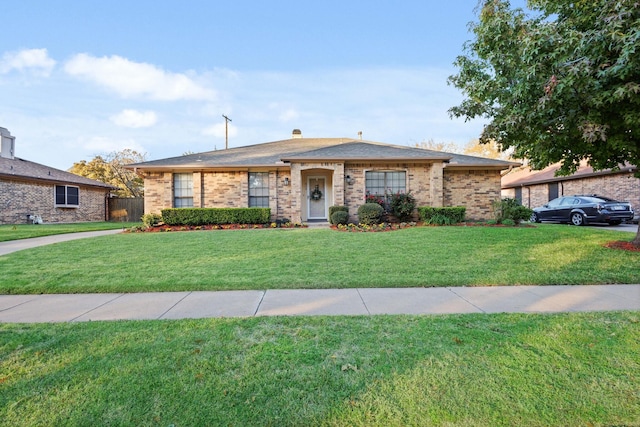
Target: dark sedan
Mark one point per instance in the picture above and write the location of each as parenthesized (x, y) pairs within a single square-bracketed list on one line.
[(581, 210)]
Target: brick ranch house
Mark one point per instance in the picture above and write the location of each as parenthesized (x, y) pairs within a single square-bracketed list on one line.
[(300, 178), (30, 190), (536, 188)]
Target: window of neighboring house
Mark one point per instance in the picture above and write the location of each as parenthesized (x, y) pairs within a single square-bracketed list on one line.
[(519, 194), (182, 190), (553, 191), (67, 196), (258, 189), (385, 183)]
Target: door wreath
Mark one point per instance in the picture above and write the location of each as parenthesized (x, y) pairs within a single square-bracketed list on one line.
[(316, 194)]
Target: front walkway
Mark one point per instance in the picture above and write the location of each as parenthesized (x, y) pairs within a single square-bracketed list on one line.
[(373, 301)]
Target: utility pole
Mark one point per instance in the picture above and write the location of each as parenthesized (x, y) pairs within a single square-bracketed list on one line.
[(226, 131)]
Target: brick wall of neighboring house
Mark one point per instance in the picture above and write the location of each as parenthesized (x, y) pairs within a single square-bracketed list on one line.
[(18, 199), (623, 186), (473, 189), (532, 196)]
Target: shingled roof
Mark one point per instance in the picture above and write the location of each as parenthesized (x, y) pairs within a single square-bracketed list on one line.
[(528, 176), (25, 170), (279, 153)]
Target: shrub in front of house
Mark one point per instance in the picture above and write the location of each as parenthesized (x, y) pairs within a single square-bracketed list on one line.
[(334, 209), (340, 218), (150, 220), (509, 211), (402, 205), (442, 215), (210, 216), (376, 198), (370, 214)]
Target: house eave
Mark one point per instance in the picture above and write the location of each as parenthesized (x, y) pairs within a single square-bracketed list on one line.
[(527, 183), (211, 168), (365, 159), (450, 166), (24, 178)]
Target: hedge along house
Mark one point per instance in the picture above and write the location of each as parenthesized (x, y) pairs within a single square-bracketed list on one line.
[(536, 188), (300, 178), (30, 191)]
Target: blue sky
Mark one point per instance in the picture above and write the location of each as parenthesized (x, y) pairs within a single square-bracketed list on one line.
[(79, 79)]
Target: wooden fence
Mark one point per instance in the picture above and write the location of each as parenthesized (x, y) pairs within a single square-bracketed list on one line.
[(125, 209)]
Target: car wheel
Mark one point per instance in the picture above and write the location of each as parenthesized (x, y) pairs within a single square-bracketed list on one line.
[(577, 218), (534, 218), (615, 222)]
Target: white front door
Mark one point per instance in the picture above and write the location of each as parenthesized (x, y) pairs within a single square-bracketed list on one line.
[(317, 196)]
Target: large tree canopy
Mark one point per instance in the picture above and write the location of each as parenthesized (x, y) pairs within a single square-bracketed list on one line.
[(110, 170), (558, 83)]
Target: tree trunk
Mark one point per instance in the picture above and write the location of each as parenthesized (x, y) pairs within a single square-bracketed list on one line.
[(636, 240)]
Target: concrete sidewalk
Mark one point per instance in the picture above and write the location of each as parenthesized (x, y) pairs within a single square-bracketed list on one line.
[(420, 301)]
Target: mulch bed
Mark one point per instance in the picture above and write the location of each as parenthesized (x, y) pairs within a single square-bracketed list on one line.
[(170, 228), (622, 245)]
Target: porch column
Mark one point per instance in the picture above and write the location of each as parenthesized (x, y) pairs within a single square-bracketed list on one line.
[(296, 193), (338, 185)]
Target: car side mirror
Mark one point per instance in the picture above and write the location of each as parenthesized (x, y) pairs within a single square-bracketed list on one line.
[(545, 206)]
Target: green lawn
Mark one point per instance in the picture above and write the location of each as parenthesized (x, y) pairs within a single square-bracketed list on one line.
[(570, 369), (28, 231), (471, 370), (322, 258)]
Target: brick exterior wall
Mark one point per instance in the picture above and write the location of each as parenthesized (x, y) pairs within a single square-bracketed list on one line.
[(473, 189), (430, 184), (21, 198), (158, 191), (622, 186)]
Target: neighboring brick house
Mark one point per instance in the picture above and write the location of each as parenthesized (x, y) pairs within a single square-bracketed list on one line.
[(29, 189), (300, 178), (536, 188)]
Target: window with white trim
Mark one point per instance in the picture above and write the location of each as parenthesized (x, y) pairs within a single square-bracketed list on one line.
[(182, 190), (384, 183), (258, 189), (67, 196)]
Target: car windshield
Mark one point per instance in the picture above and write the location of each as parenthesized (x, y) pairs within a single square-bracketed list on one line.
[(555, 202)]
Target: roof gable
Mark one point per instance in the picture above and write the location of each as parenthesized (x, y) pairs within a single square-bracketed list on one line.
[(361, 150), (23, 169), (298, 149)]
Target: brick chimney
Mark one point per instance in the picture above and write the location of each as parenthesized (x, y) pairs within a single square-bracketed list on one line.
[(297, 133), (8, 145)]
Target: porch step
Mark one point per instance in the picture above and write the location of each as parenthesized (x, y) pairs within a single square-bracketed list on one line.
[(318, 224)]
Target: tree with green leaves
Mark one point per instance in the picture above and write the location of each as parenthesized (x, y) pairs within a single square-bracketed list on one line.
[(559, 82), (110, 170)]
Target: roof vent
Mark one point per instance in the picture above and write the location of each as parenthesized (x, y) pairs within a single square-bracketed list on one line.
[(297, 133), (7, 145)]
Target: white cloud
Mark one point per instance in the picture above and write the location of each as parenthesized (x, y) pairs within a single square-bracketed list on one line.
[(35, 61), (134, 119), (136, 79)]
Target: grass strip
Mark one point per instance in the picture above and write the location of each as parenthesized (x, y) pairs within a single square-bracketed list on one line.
[(472, 370)]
